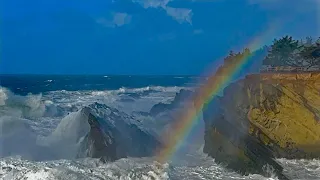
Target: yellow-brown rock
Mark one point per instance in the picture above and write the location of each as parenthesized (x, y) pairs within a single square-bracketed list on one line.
[(286, 108), (265, 116)]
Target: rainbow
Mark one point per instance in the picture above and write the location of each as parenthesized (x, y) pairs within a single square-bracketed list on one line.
[(212, 87)]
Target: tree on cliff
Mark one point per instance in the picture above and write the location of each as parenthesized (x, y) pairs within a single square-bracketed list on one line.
[(235, 58), (284, 52), (309, 57), (310, 53), (250, 61)]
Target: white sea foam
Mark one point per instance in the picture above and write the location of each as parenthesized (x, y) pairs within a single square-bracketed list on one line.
[(18, 138), (123, 98), (29, 106), (124, 169), (3, 96), (64, 140), (24, 121)]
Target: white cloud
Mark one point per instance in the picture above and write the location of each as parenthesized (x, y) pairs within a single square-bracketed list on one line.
[(121, 19), (182, 15), (152, 3), (118, 20)]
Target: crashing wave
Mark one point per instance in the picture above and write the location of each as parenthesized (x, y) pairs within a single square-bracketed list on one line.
[(127, 168), (17, 138), (83, 169), (74, 131), (149, 89), (30, 106), (133, 90)]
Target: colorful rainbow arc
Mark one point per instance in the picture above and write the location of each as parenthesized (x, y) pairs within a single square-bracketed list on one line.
[(215, 84)]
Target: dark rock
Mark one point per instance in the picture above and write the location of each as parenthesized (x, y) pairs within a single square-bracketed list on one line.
[(159, 108), (99, 143), (141, 113), (229, 144), (181, 97), (113, 135), (316, 53)]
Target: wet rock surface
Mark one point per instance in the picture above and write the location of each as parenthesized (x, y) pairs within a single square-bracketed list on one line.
[(262, 117), (113, 135)]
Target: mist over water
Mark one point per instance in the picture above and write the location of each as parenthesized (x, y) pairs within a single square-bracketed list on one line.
[(41, 133)]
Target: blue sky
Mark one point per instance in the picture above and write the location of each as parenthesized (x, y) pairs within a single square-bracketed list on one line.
[(141, 36)]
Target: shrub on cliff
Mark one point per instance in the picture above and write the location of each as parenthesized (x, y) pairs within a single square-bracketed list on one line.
[(284, 52), (310, 52), (250, 62), (289, 52)]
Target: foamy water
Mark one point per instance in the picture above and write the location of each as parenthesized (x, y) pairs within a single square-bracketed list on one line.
[(34, 120), (129, 168), (140, 169)]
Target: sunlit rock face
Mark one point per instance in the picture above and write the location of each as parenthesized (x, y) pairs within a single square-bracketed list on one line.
[(265, 116)]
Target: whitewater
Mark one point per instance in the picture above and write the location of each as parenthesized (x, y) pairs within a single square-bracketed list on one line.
[(40, 132)]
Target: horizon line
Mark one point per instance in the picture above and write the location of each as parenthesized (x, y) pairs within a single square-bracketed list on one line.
[(53, 74)]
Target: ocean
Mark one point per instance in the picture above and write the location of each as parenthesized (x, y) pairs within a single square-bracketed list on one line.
[(33, 107)]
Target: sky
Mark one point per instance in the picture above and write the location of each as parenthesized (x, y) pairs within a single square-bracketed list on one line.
[(145, 37)]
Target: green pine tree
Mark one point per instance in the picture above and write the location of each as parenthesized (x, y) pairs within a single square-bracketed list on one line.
[(284, 52), (307, 53)]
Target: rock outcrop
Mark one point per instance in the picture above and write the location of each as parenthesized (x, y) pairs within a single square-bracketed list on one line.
[(262, 117), (99, 142), (181, 97), (113, 135)]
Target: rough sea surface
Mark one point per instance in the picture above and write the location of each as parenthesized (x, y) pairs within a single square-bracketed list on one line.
[(31, 108)]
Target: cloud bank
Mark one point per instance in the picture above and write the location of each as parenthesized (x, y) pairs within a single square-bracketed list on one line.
[(118, 20), (181, 15)]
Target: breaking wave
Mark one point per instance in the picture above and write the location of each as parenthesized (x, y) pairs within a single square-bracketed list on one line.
[(128, 168), (40, 136), (19, 138), (29, 106)]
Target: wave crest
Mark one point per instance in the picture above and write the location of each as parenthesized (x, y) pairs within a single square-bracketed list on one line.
[(149, 89), (30, 106)]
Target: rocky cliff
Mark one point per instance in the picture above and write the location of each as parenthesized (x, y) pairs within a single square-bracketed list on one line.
[(264, 116), (113, 135)]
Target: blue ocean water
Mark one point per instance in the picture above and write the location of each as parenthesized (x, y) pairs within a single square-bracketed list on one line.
[(23, 84)]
